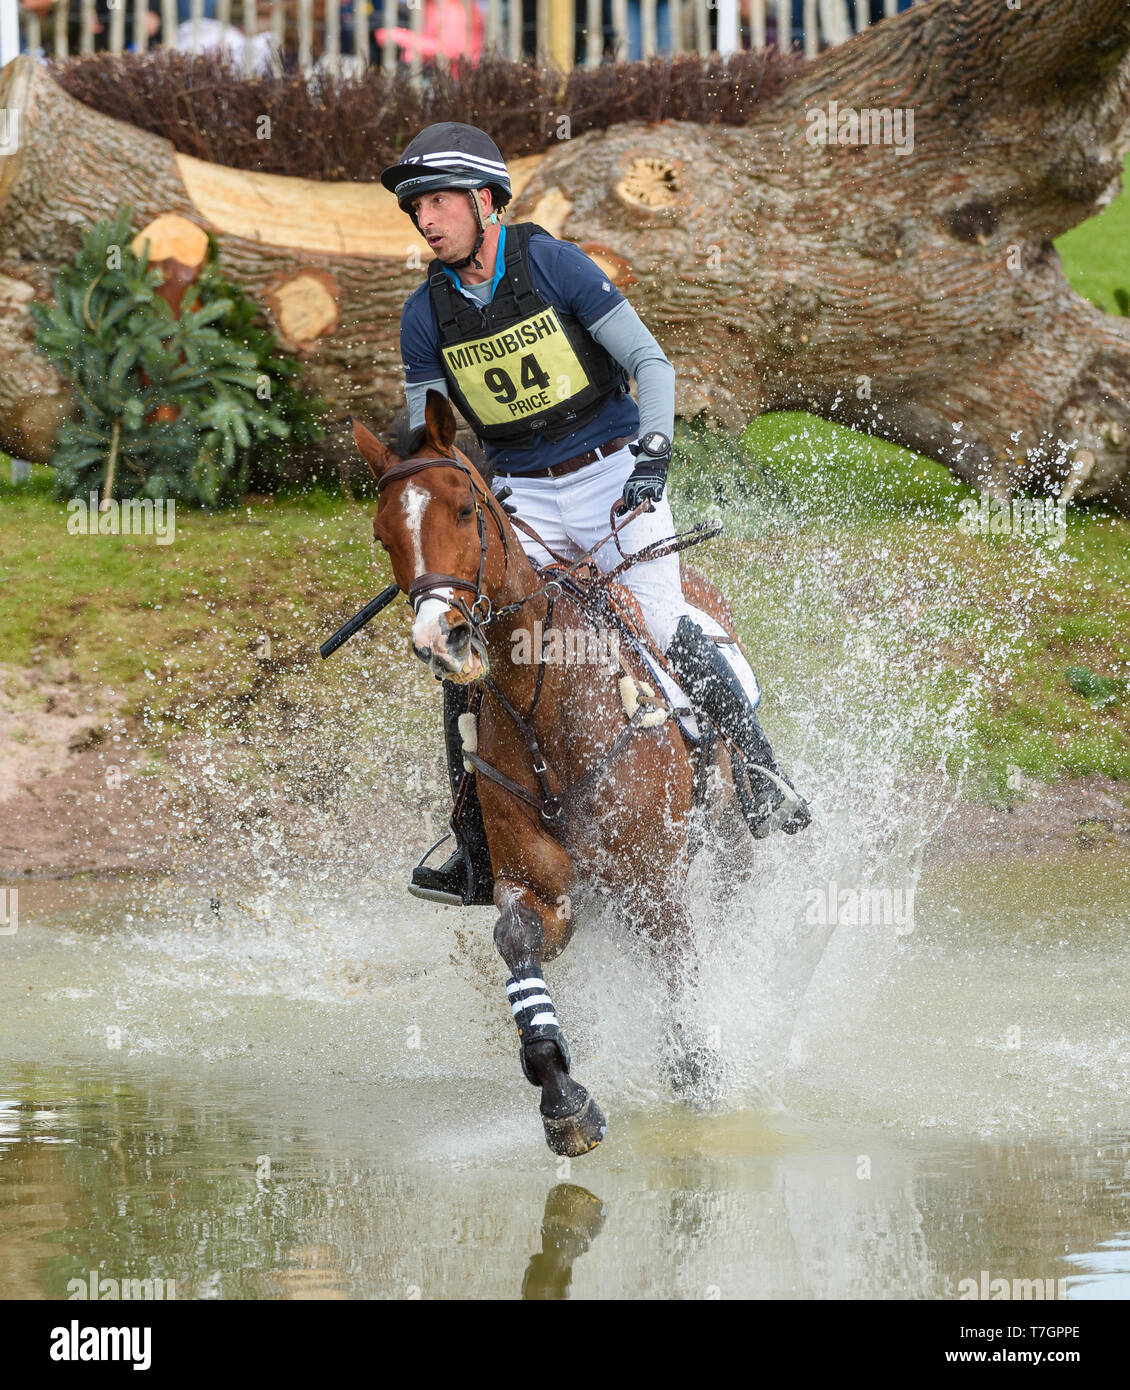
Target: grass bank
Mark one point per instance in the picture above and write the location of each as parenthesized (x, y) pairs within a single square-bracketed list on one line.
[(857, 552), (834, 539), (842, 550)]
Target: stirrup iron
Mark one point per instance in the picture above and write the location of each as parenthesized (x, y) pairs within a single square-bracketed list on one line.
[(434, 895)]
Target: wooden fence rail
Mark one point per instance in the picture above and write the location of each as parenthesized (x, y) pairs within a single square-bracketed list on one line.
[(336, 33)]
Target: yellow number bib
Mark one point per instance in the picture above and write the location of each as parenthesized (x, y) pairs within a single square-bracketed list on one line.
[(526, 369)]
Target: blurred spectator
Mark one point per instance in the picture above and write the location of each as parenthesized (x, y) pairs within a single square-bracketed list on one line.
[(209, 35), (444, 31), (52, 12), (43, 10)]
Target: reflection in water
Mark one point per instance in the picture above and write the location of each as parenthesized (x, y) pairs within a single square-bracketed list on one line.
[(38, 1200), (572, 1221), (309, 1102), (162, 1178)]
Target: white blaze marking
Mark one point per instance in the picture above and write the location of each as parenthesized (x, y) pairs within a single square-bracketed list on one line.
[(415, 499), (426, 631)]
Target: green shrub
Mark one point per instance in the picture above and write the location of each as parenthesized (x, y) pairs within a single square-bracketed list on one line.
[(196, 407)]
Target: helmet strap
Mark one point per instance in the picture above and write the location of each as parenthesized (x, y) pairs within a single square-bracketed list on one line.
[(473, 258)]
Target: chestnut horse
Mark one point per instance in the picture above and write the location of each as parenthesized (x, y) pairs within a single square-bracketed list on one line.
[(573, 791)]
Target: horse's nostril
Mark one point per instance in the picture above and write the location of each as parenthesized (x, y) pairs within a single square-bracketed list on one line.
[(459, 639)]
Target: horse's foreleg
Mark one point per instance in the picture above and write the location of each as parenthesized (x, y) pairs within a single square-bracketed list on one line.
[(530, 930), (688, 1049)]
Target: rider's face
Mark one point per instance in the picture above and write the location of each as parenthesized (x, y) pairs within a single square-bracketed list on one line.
[(447, 222)]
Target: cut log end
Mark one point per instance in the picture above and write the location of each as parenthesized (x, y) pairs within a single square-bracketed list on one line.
[(618, 270), (305, 307), (173, 238)]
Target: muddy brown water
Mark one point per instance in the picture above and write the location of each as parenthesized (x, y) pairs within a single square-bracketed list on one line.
[(315, 1094)]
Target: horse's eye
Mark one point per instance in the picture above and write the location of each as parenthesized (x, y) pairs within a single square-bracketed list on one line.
[(465, 513)]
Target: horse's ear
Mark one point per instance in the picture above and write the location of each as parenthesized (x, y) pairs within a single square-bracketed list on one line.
[(440, 420), (372, 450)]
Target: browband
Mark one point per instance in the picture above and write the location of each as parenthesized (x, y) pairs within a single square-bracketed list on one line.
[(406, 467)]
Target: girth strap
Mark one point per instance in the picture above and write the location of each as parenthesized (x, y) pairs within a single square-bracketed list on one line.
[(489, 770), (549, 807)]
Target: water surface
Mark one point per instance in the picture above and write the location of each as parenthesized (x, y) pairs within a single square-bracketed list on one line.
[(318, 1096)]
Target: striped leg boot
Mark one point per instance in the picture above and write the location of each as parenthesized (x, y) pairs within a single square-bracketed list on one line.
[(535, 1017)]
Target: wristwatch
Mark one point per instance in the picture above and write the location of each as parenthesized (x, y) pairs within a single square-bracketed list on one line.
[(655, 443), (648, 478)]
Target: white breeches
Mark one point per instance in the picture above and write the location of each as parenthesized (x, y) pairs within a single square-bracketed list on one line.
[(571, 515)]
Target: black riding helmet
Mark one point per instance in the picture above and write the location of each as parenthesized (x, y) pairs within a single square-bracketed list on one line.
[(450, 155)]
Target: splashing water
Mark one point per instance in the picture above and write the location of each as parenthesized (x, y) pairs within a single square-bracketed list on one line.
[(316, 960)]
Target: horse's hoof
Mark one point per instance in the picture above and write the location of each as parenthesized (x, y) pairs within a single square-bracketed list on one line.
[(576, 1134)]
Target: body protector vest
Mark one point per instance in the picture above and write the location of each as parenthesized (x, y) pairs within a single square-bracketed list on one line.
[(520, 369)]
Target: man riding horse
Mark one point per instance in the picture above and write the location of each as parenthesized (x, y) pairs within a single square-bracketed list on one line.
[(536, 346)]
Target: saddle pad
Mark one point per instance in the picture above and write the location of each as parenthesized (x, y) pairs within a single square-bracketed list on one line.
[(629, 609), (688, 723)]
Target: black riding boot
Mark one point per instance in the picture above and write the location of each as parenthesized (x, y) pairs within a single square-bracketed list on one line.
[(466, 878), (713, 686)]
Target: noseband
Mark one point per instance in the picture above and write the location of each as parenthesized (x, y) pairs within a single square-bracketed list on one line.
[(424, 585)]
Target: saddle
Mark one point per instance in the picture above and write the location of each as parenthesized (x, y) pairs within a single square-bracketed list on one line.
[(615, 603)]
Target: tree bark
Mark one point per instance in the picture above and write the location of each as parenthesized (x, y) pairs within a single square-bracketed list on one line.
[(332, 264), (916, 295), (908, 288)]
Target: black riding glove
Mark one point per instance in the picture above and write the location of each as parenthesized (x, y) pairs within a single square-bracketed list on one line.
[(649, 476)]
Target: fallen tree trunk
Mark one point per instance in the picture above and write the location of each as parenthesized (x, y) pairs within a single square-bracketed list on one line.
[(331, 263), (874, 245), (911, 291)]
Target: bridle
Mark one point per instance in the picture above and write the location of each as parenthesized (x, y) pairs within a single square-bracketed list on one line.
[(425, 585), (550, 800)]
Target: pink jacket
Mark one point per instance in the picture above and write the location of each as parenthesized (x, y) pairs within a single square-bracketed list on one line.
[(444, 30)]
